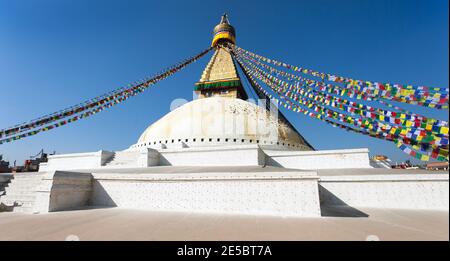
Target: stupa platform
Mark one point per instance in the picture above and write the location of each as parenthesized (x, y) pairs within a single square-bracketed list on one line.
[(251, 190)]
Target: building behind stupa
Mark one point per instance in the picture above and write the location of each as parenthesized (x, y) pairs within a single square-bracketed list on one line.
[(223, 154)]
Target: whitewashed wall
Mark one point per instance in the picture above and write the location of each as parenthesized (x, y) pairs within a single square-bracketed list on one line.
[(243, 193), (61, 190), (408, 191), (323, 159), (244, 155), (89, 160)]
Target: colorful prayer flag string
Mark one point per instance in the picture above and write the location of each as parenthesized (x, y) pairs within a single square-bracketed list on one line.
[(420, 95), (438, 152), (403, 118), (316, 98), (98, 104)]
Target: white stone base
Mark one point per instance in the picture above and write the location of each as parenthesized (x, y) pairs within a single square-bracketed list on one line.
[(61, 190), (238, 155), (407, 191), (244, 155), (322, 159), (280, 194), (76, 161)]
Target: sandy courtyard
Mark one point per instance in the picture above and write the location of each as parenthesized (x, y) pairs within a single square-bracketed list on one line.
[(124, 224)]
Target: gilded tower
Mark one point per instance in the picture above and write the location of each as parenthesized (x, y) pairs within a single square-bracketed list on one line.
[(220, 77)]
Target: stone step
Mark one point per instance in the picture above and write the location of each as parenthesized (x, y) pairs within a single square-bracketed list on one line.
[(122, 158), (21, 209), (7, 202), (22, 188), (28, 174), (10, 200), (19, 182), (122, 162), (17, 203), (24, 203), (24, 183), (125, 159), (21, 191), (26, 179), (21, 197)]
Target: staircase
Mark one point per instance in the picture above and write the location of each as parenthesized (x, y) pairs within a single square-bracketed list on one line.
[(124, 159), (21, 192), (4, 180)]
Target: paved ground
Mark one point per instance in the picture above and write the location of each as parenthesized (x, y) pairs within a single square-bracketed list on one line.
[(122, 224)]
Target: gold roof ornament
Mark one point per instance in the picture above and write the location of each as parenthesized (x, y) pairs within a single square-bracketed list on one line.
[(223, 32)]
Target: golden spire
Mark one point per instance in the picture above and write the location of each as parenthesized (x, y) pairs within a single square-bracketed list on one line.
[(220, 77), (223, 32)]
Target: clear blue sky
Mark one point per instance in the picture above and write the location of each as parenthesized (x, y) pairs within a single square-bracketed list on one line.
[(56, 53)]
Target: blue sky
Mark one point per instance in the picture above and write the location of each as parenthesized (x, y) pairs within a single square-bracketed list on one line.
[(56, 53)]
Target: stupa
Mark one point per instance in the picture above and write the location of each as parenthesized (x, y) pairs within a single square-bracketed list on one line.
[(221, 115), (222, 153)]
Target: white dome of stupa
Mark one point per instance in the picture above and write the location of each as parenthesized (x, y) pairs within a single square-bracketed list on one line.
[(220, 121)]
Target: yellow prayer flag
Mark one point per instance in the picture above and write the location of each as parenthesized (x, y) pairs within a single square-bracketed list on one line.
[(425, 158)]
